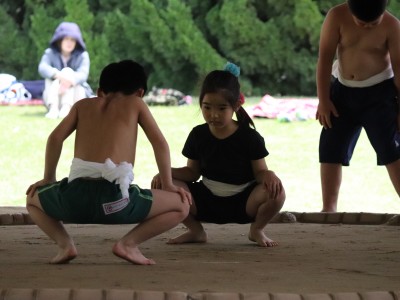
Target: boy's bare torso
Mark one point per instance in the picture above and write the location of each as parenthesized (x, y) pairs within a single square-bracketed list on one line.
[(107, 128), (362, 51)]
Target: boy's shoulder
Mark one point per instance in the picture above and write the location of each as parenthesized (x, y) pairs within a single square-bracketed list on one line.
[(87, 101), (339, 11)]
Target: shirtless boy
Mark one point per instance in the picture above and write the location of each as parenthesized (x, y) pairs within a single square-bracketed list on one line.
[(365, 38), (99, 189)]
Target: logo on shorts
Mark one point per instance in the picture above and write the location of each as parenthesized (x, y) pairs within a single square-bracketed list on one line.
[(116, 206)]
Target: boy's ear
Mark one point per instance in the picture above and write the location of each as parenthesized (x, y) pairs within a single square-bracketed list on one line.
[(100, 93), (140, 93)]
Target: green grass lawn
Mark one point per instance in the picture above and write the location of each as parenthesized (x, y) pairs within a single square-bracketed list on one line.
[(293, 156)]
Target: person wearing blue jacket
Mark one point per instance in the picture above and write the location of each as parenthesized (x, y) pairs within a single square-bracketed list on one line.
[(65, 67)]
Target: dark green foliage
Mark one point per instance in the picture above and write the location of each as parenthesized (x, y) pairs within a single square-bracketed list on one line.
[(274, 42)]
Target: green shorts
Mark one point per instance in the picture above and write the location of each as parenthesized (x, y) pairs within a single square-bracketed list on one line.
[(87, 201)]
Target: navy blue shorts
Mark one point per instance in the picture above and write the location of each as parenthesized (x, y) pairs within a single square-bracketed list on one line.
[(220, 210), (373, 108)]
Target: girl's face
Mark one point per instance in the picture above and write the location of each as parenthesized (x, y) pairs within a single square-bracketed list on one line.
[(68, 45), (217, 112)]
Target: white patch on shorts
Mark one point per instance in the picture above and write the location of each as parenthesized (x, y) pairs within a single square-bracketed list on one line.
[(116, 206)]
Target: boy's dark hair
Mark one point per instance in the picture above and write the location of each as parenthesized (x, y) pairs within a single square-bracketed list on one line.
[(126, 76), (227, 85), (367, 10)]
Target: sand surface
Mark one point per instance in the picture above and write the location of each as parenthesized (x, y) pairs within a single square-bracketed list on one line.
[(311, 258)]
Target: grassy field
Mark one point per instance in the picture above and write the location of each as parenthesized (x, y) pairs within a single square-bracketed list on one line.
[(293, 156)]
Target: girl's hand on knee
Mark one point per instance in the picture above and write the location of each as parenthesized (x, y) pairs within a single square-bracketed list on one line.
[(156, 182), (272, 184)]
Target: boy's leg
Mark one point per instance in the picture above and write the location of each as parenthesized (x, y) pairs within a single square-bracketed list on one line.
[(331, 179), (263, 209), (54, 229), (394, 174), (167, 211)]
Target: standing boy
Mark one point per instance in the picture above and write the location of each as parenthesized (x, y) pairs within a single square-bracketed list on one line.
[(366, 41), (99, 189)]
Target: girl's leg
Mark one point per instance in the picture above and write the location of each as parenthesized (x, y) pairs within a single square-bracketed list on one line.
[(331, 179), (194, 234), (54, 229), (167, 211), (195, 231), (263, 208)]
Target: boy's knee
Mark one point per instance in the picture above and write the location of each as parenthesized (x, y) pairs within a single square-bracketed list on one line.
[(32, 200)]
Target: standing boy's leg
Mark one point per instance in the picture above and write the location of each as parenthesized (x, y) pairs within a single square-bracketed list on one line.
[(331, 179), (167, 211), (394, 174), (54, 229)]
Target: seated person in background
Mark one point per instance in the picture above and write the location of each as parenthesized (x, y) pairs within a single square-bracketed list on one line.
[(65, 66)]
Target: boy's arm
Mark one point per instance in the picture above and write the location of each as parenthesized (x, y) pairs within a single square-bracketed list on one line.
[(54, 147), (329, 39), (394, 51), (161, 152), (158, 143)]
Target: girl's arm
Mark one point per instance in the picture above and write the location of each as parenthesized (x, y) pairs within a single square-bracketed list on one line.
[(190, 173), (271, 183)]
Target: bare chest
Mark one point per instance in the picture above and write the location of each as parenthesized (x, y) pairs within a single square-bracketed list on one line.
[(363, 40)]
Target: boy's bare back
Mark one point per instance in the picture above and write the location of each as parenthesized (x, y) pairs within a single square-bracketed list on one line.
[(107, 127), (362, 49)]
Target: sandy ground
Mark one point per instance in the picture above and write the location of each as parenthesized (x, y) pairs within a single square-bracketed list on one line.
[(311, 258)]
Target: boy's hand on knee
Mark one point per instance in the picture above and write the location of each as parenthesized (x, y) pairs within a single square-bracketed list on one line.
[(185, 195), (33, 187)]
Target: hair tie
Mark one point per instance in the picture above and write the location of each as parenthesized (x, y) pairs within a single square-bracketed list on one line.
[(241, 99), (232, 68)]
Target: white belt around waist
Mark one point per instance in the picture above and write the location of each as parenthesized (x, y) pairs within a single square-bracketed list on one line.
[(222, 189)]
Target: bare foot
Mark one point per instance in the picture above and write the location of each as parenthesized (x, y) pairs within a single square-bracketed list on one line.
[(131, 254), (259, 237), (64, 256), (189, 237)]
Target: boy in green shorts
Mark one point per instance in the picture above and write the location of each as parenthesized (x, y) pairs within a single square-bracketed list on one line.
[(98, 188)]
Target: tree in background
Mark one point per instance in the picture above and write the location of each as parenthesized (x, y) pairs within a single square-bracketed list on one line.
[(178, 41)]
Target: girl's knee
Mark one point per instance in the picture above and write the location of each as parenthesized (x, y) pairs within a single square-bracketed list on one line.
[(184, 209)]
